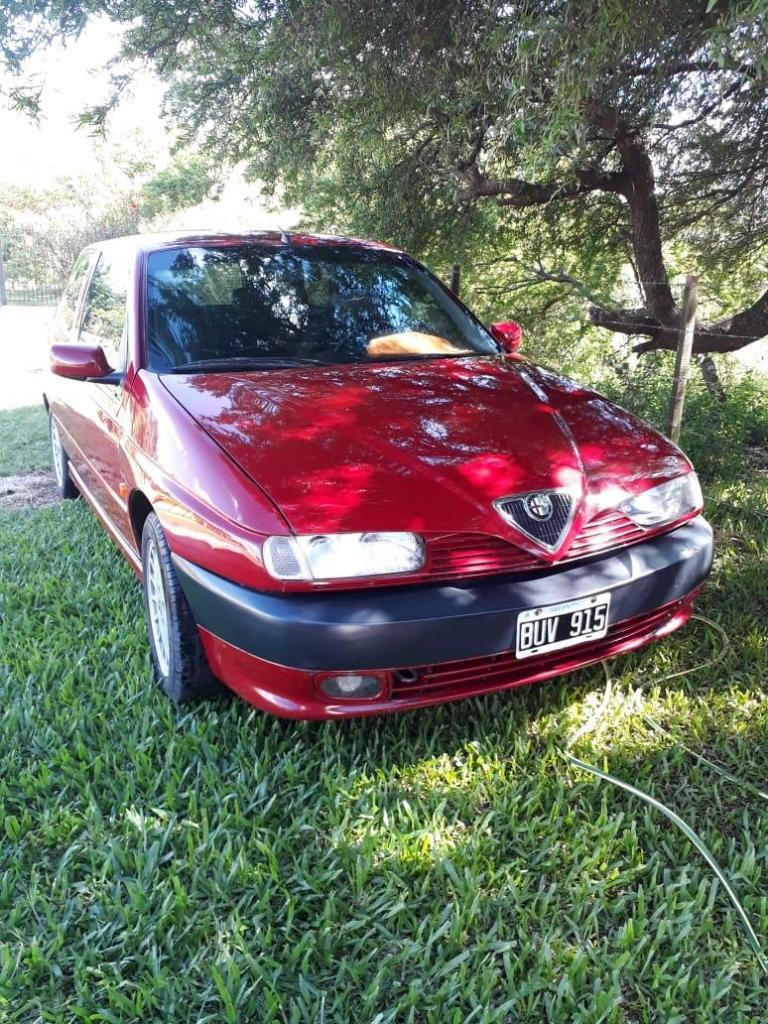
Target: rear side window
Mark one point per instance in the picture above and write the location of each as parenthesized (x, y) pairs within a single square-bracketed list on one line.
[(105, 304), (67, 311)]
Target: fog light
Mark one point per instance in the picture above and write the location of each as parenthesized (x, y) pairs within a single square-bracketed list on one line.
[(350, 686)]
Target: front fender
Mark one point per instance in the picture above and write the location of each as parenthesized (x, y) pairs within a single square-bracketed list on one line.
[(211, 512)]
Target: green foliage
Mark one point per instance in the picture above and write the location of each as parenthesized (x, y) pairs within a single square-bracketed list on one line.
[(382, 119), (504, 281), (42, 229), (26, 25), (436, 124), (211, 863), (723, 439), (368, 118), (187, 181)]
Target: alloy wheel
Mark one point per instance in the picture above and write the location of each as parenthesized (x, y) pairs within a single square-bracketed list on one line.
[(158, 609), (58, 455)]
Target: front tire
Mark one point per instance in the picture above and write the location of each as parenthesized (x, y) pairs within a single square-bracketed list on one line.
[(178, 657), (65, 485)]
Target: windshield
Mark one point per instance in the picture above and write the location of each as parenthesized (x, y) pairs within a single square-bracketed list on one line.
[(242, 304)]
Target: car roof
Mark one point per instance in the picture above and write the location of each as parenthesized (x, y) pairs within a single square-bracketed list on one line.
[(151, 242)]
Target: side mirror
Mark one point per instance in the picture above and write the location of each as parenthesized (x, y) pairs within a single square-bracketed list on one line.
[(82, 362), (508, 334)]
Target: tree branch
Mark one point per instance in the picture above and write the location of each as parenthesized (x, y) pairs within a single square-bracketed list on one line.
[(658, 319), (520, 193), (703, 114), (727, 335), (629, 321)]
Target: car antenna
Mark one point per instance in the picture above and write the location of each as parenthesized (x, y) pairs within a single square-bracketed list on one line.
[(285, 238)]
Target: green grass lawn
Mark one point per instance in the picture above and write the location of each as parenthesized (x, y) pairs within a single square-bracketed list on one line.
[(24, 442), (445, 866)]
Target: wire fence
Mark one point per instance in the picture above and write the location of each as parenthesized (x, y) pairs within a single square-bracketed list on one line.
[(33, 268)]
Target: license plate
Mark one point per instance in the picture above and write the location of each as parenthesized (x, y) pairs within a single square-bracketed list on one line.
[(555, 626)]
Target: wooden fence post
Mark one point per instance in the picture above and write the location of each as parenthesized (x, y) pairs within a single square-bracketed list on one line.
[(683, 358), (3, 293), (456, 279)]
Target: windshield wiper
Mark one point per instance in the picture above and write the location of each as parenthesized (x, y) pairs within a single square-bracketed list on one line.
[(245, 363)]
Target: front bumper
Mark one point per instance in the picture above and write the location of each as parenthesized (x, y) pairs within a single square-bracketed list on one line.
[(396, 628)]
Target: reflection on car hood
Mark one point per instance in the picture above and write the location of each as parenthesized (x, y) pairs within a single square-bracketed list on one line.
[(423, 446)]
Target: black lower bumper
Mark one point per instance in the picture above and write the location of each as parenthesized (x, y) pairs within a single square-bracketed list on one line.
[(392, 627)]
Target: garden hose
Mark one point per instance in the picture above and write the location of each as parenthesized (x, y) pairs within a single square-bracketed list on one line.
[(594, 721)]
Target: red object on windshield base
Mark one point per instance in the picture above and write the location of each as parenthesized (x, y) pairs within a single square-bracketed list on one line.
[(509, 335), (272, 385)]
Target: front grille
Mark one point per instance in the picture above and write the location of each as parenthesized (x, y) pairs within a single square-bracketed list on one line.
[(459, 678), (458, 556), (548, 529), (606, 530), (466, 555)]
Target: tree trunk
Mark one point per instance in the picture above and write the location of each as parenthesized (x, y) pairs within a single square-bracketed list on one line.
[(658, 320), (711, 377), (640, 193)]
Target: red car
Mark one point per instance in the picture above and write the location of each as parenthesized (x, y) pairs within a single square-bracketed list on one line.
[(342, 493)]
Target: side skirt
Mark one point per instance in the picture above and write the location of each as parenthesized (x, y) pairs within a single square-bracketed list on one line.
[(118, 538)]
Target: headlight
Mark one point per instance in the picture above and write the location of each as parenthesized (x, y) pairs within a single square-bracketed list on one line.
[(665, 503), (334, 556)]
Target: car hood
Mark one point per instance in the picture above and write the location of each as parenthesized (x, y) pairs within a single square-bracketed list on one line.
[(425, 445)]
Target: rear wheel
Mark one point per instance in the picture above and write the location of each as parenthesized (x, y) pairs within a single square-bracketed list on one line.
[(64, 483), (178, 657)]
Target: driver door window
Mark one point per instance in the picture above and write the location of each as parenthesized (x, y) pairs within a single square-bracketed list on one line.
[(104, 320), (104, 405), (66, 315)]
